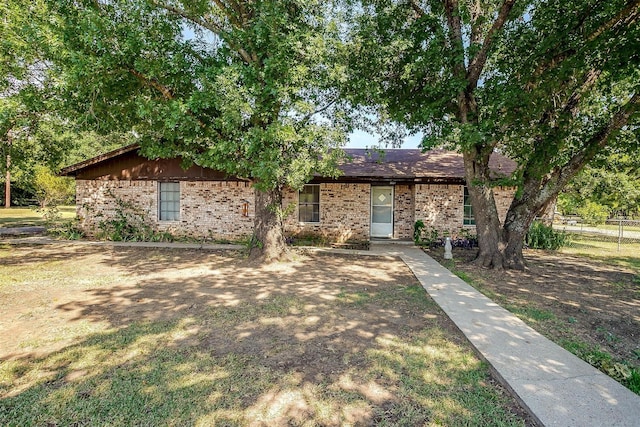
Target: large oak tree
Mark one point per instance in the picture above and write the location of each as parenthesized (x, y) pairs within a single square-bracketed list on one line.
[(245, 87), (549, 83)]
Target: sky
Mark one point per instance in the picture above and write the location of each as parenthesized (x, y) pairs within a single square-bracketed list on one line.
[(361, 139)]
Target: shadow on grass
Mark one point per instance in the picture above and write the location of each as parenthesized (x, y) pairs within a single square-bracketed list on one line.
[(209, 339)]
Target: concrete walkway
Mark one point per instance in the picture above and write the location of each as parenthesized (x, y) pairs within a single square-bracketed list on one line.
[(558, 388), (555, 386)]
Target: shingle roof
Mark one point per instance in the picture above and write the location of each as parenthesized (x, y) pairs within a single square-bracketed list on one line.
[(388, 164), (413, 163)]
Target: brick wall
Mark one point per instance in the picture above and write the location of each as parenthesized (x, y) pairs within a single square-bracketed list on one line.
[(344, 212), (404, 211), (207, 208), (214, 209), (441, 206), (95, 200), (503, 197)]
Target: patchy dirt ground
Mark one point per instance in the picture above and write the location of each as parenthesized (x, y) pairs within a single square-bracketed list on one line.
[(567, 298), (323, 327)]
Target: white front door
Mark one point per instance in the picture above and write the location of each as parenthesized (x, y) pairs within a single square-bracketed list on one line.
[(381, 211)]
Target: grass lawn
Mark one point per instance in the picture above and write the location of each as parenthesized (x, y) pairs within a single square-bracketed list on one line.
[(585, 298), (124, 336), (21, 216), (614, 227), (605, 249)]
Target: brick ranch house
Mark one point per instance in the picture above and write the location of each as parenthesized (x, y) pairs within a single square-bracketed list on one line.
[(378, 196)]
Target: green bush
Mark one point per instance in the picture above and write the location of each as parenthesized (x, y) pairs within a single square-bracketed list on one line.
[(52, 190), (130, 224), (541, 236), (593, 213), (421, 236), (418, 227), (68, 230)]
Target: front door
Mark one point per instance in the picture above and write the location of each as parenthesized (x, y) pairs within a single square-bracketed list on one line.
[(381, 211)]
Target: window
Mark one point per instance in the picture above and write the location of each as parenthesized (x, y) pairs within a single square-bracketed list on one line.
[(467, 218), (309, 204), (169, 201)]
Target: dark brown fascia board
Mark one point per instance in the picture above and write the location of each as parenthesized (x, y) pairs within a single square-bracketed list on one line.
[(384, 180), (71, 170)]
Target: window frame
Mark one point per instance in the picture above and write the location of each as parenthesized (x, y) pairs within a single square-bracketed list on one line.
[(163, 214), (468, 217), (315, 205)]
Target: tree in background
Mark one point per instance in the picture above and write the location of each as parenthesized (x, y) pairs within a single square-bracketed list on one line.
[(19, 72), (51, 190), (33, 134), (609, 186), (548, 83), (247, 88)]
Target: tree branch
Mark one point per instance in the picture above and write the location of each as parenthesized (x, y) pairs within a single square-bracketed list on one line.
[(538, 190), (465, 100), (476, 65), (233, 12), (211, 26), (166, 92), (416, 8), (455, 32), (319, 110), (476, 27), (627, 15), (601, 138)]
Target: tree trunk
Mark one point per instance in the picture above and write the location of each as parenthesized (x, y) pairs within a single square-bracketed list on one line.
[(268, 242), (485, 212), (7, 184), (514, 232), (536, 194)]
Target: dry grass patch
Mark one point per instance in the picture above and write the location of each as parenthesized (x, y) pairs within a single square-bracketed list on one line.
[(166, 337), (585, 298)]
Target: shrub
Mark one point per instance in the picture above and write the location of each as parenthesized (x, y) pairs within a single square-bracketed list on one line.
[(68, 230), (130, 223), (593, 213), (418, 227), (433, 238), (52, 190), (422, 237), (541, 236)]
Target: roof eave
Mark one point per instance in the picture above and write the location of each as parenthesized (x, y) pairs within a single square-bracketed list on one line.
[(74, 169)]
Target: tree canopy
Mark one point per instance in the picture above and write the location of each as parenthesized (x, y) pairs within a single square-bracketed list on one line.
[(248, 88), (254, 88), (610, 184), (213, 82), (549, 83)]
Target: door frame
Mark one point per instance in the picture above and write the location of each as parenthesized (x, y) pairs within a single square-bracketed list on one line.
[(392, 223)]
